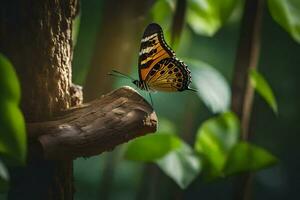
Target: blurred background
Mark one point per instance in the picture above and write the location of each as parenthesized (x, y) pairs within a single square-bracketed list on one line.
[(108, 35)]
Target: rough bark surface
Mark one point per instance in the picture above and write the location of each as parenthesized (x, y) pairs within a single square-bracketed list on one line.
[(36, 37), (96, 127)]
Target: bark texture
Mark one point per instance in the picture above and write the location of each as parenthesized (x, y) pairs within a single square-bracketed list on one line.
[(96, 127), (37, 37)]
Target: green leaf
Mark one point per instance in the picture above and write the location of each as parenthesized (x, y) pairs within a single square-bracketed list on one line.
[(152, 147), (171, 154), (12, 125), (4, 178), (10, 88), (247, 157), (214, 140), (181, 165), (162, 12), (287, 14), (12, 132), (211, 86), (262, 87), (206, 16)]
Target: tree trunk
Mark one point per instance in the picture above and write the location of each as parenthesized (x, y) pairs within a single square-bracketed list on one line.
[(37, 37)]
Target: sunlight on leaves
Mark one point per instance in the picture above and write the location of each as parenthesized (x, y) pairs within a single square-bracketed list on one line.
[(263, 88), (214, 140), (4, 178), (181, 165), (152, 147), (287, 14), (12, 125), (206, 16), (247, 157), (211, 86)]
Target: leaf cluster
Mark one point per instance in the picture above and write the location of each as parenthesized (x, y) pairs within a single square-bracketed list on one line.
[(12, 125)]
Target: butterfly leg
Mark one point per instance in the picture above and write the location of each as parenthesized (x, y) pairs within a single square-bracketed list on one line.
[(151, 99)]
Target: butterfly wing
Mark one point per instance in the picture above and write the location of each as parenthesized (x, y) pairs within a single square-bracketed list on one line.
[(169, 75), (158, 66), (153, 49)]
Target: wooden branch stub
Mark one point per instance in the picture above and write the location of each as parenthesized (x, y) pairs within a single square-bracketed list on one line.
[(96, 127)]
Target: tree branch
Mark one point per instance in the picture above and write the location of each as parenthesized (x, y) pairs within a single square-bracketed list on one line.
[(93, 128), (178, 20), (242, 98), (246, 58)]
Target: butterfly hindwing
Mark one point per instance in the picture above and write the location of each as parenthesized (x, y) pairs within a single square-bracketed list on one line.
[(169, 75), (153, 49)]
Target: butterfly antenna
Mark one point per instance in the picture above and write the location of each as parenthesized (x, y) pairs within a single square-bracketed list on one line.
[(116, 75), (119, 74)]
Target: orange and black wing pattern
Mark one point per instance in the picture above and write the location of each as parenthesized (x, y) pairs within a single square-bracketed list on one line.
[(169, 75), (153, 49), (159, 68)]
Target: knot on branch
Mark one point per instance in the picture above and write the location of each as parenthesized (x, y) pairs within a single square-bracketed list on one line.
[(96, 127), (76, 94)]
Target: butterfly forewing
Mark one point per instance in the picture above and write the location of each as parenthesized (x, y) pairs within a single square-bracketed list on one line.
[(153, 49)]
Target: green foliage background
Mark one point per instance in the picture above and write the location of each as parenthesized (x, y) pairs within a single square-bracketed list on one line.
[(278, 134), (13, 144), (212, 150)]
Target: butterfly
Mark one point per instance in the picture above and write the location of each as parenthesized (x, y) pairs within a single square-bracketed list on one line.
[(158, 67)]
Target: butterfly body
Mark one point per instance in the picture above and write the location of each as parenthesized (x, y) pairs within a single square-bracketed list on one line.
[(158, 67)]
